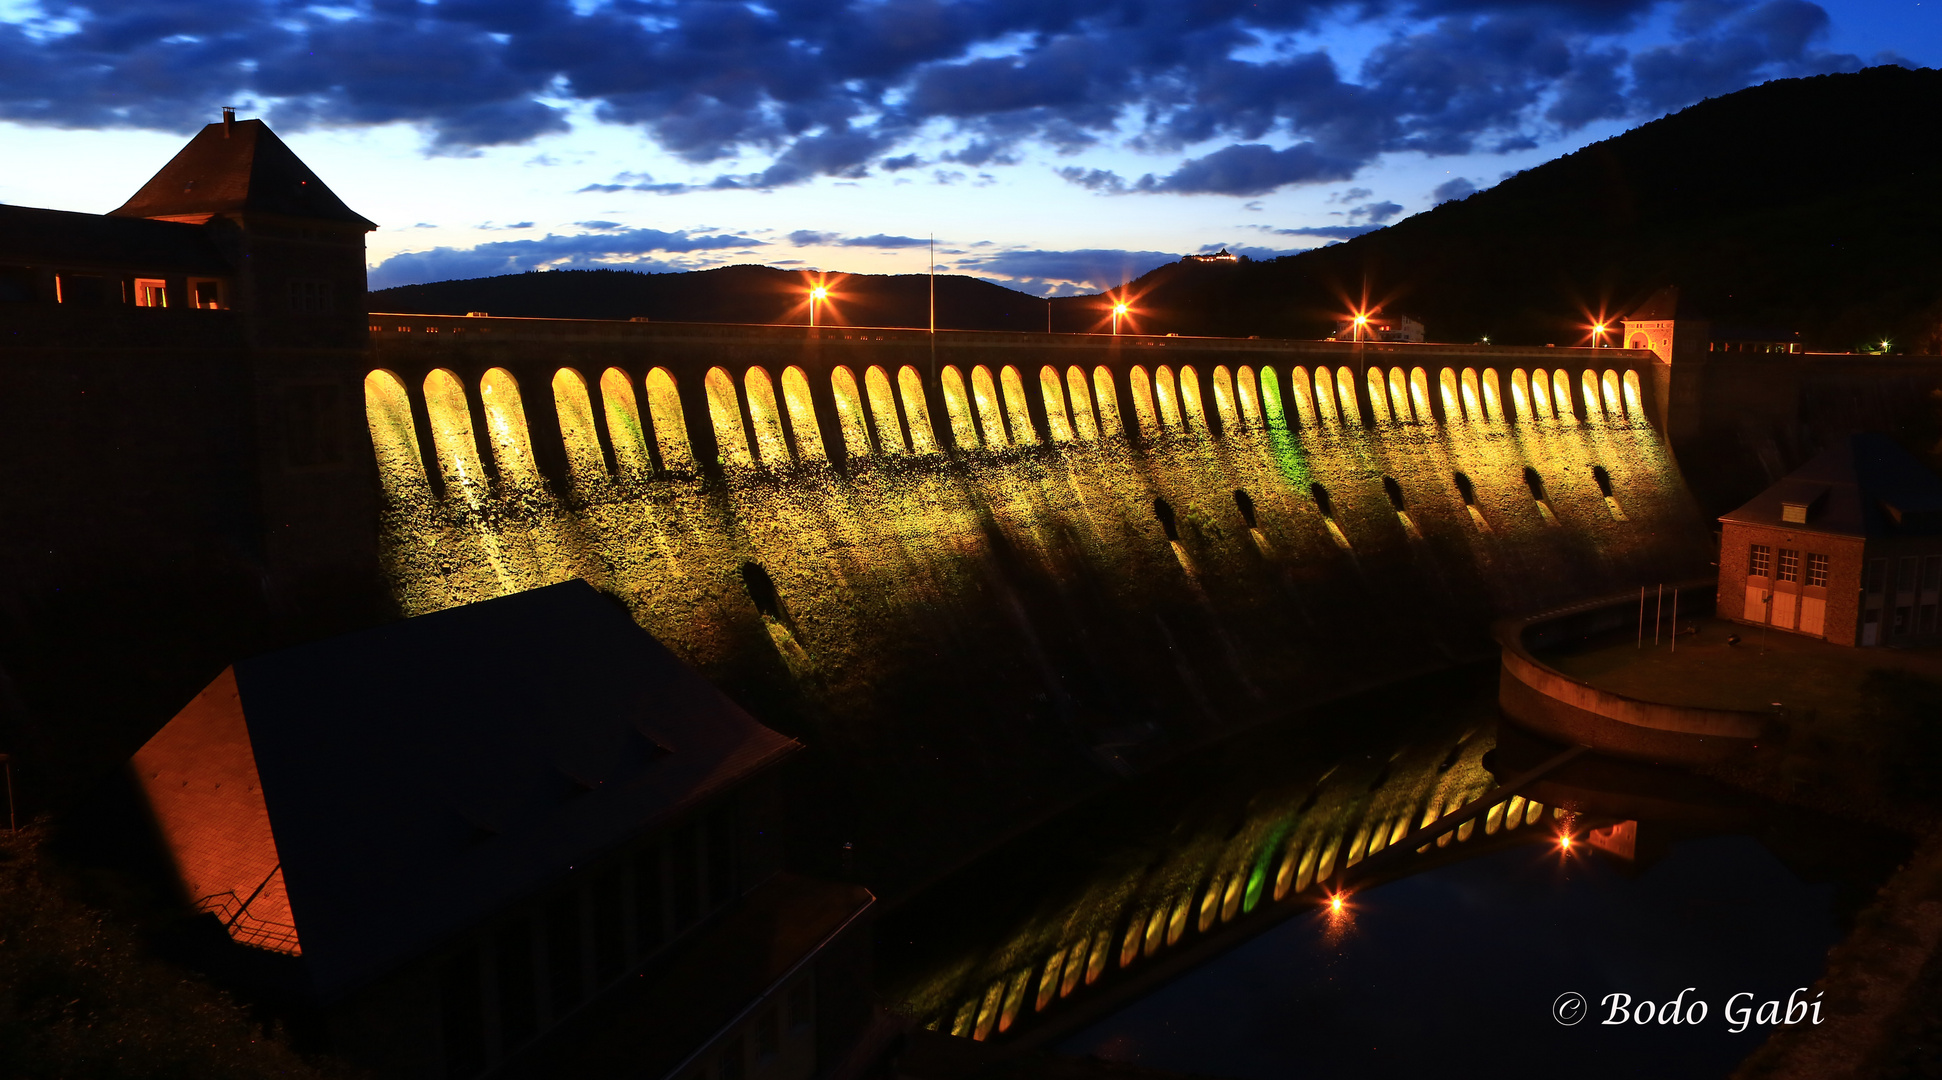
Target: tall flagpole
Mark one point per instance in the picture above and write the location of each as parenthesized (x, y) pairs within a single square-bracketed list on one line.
[(932, 251)]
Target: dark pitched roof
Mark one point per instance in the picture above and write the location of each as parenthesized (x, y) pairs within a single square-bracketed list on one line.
[(1663, 304), (1863, 485), (232, 168), (31, 235), (422, 775)]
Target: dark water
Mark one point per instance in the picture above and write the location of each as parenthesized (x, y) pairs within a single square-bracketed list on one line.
[(1454, 972), (1448, 963)]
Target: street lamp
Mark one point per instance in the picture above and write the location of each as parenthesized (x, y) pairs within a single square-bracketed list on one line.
[(1597, 335), (1361, 321), (816, 296), (1119, 309)]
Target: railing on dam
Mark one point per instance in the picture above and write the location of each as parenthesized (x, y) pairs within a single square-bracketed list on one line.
[(675, 399)]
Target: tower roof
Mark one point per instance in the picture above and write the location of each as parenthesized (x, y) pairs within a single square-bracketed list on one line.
[(1863, 485), (231, 167)]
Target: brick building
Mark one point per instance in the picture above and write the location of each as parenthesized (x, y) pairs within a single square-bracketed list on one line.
[(514, 838), (1847, 548)]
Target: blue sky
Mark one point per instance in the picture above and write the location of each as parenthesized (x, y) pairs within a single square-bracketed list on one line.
[(1053, 145)]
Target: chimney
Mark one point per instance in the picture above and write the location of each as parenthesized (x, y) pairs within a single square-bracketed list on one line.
[(229, 121)]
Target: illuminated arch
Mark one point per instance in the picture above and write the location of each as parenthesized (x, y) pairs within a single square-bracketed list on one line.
[(1167, 397), (1419, 394), (1051, 391), (1017, 410), (1325, 409), (1520, 393), (1273, 412), (1561, 406), (1399, 394), (670, 421), (765, 417), (1378, 394), (624, 423), (984, 393), (1614, 403), (725, 412), (1446, 384), (452, 438), (1110, 421), (1472, 396), (505, 417), (1248, 391), (1540, 396), (1588, 381), (394, 437), (1493, 395), (849, 412), (910, 387), (1230, 417), (957, 405), (802, 415), (584, 461), (1634, 396), (1345, 389), (1640, 341), (1084, 425), (1302, 385), (1193, 409), (1143, 409), (883, 410)]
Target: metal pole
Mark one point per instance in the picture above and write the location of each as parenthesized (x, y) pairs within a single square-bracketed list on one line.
[(933, 275), (1641, 616), (1657, 611), (1675, 619)]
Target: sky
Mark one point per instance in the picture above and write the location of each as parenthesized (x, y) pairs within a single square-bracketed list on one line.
[(1055, 146)]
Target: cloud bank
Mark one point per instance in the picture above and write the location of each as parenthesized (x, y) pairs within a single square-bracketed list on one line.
[(1239, 90)]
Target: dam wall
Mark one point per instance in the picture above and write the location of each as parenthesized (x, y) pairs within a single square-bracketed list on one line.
[(982, 573)]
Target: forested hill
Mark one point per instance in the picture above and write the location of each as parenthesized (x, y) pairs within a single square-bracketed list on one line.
[(1803, 205)]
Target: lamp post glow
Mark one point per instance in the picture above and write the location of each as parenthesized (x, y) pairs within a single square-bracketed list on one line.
[(1361, 321), (1118, 310), (816, 296), (1597, 335)]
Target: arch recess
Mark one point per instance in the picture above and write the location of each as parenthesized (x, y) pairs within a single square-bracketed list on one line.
[(574, 405), (1378, 395), (991, 415), (1472, 396), (1493, 395), (624, 423), (1084, 425), (1419, 394), (766, 417), (910, 387), (505, 416), (1017, 410), (670, 421), (802, 415), (1325, 408), (1144, 410), (1247, 389), (883, 410), (1520, 393), (1588, 381), (1051, 391), (1345, 389), (1111, 423), (1446, 384), (1634, 396), (850, 413), (1614, 402), (1561, 405), (1193, 408), (1273, 412), (1399, 395), (1302, 385), (394, 437), (725, 412), (1540, 398), (1223, 381), (1167, 397), (957, 405), (452, 437)]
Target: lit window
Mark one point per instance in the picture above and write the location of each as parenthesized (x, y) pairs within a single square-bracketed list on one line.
[(206, 293), (1817, 570), (1761, 563), (310, 297), (1789, 564), (151, 292)]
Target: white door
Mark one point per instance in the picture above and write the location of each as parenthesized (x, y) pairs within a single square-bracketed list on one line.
[(1783, 609), (1813, 615), (1756, 604)]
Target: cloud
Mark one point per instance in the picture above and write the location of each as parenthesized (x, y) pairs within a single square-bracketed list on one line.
[(1331, 232), (812, 238), (1088, 269), (1458, 188), (841, 89), (610, 248)]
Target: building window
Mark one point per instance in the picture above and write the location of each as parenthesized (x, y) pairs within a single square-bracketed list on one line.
[(151, 292), (1902, 623), (1877, 576), (206, 293), (310, 297), (1932, 573), (1928, 618), (1817, 570), (1789, 564), (17, 285), (1760, 563), (81, 290)]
